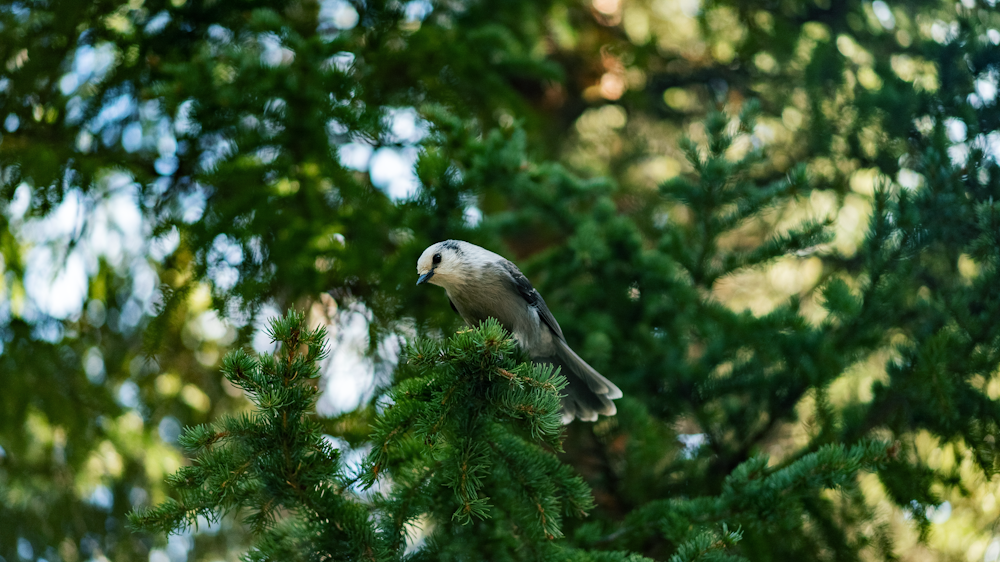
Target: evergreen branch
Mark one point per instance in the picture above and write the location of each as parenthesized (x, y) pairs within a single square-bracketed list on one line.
[(757, 200), (882, 241), (545, 474), (453, 424), (522, 380), (723, 199), (709, 546), (410, 503), (466, 478), (273, 464), (802, 238), (755, 495)]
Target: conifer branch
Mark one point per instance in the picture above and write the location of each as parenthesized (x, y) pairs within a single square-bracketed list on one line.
[(754, 495), (481, 402), (273, 464)]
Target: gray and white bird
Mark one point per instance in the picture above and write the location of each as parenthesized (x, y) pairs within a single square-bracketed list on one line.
[(481, 284)]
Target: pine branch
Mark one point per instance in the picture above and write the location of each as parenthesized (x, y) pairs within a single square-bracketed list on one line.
[(472, 416), (273, 464), (757, 496), (724, 197), (710, 546)]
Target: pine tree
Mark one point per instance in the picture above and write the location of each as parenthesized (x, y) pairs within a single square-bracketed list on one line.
[(272, 462), (798, 303), (465, 441)]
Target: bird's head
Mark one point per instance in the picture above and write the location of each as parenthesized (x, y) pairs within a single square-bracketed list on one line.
[(447, 263)]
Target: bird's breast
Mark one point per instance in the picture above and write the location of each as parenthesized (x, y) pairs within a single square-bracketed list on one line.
[(513, 313)]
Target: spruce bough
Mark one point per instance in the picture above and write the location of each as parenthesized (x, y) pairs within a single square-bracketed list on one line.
[(466, 441), (272, 464), (466, 417), (471, 418)]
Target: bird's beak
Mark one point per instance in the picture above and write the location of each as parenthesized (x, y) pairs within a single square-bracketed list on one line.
[(425, 277)]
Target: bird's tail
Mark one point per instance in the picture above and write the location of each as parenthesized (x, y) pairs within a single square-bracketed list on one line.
[(588, 393)]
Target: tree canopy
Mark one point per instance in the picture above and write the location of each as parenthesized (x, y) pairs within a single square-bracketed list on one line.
[(774, 224)]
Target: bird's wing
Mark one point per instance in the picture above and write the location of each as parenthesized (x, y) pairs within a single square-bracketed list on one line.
[(453, 307), (523, 286)]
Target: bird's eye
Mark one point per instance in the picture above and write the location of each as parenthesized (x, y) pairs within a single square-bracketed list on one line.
[(437, 259)]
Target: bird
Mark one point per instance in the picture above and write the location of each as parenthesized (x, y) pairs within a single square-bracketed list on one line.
[(482, 284)]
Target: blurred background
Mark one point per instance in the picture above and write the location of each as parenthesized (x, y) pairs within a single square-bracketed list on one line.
[(174, 173)]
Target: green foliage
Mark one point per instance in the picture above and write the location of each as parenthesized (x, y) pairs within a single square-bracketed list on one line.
[(270, 462), (468, 417), (726, 197), (709, 547), (467, 439), (763, 498), (812, 283)]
